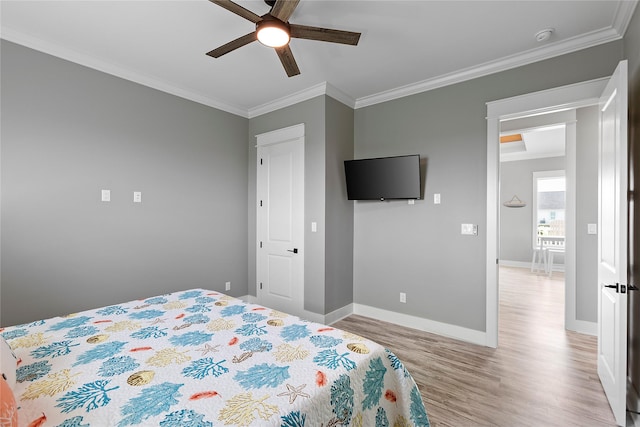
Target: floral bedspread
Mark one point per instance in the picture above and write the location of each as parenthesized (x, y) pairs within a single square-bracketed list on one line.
[(202, 358)]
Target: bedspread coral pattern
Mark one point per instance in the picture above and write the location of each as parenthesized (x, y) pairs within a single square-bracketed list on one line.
[(202, 358)]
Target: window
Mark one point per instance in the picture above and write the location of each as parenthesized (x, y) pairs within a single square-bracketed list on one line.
[(549, 190)]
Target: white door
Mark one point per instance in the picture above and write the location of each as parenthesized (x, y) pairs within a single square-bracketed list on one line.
[(280, 220), (612, 243)]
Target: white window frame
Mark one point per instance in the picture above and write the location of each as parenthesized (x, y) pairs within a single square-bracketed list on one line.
[(534, 219)]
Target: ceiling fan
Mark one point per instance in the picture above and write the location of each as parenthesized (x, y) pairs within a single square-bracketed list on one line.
[(274, 30)]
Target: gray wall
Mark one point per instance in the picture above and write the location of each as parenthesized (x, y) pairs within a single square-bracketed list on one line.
[(586, 213), (632, 53), (328, 262), (516, 178), (418, 249), (67, 132), (339, 210), (312, 114)]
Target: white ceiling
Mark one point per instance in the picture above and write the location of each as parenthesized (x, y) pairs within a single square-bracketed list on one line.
[(537, 143), (406, 46)]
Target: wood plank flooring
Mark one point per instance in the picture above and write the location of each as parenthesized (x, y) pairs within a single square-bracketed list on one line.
[(540, 374)]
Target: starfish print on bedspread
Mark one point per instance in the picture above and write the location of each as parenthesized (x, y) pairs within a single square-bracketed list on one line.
[(208, 348), (294, 392)]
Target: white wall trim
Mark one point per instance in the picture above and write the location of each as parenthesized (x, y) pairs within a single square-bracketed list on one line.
[(400, 319), (571, 96), (323, 88), (422, 324), (584, 327), (621, 21), (338, 314), (518, 264), (286, 101), (307, 315), (566, 97), (279, 136), (534, 55)]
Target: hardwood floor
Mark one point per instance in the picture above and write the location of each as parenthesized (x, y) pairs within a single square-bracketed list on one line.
[(540, 374)]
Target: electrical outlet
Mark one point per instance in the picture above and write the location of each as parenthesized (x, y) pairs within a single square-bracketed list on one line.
[(227, 286), (403, 297)]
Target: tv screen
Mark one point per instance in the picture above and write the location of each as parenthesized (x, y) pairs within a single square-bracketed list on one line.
[(383, 178)]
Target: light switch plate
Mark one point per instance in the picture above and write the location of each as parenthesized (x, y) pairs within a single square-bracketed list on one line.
[(469, 229), (137, 197), (436, 199), (106, 195), (592, 228)]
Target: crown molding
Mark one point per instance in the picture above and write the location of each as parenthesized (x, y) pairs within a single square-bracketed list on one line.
[(624, 13), (113, 69), (286, 101), (622, 18), (592, 39), (323, 88)]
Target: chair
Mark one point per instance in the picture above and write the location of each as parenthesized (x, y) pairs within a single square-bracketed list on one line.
[(539, 257), (543, 255), (549, 258)]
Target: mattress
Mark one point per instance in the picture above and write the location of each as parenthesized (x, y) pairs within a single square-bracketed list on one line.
[(202, 358)]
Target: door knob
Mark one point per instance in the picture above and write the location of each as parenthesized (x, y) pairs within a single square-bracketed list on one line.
[(294, 250), (613, 287)]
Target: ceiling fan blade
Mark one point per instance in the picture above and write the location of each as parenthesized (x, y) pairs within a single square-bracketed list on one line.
[(283, 9), (324, 34), (238, 10), (233, 45), (288, 61)]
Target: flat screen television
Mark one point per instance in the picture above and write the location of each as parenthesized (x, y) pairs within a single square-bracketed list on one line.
[(383, 178)]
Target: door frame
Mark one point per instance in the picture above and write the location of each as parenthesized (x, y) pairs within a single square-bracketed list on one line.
[(296, 134), (572, 96)]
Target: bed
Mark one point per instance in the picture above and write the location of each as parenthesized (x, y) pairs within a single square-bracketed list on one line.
[(202, 358)]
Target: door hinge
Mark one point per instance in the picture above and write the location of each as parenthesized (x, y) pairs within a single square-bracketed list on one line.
[(260, 160), (260, 203), (260, 285), (260, 245)]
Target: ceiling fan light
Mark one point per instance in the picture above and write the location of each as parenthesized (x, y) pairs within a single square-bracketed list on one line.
[(272, 33)]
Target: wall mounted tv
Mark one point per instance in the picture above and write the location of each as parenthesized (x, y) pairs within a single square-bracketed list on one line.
[(383, 178)]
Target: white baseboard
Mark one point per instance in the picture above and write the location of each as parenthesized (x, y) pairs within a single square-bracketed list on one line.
[(409, 321), (304, 314), (520, 264), (338, 314), (583, 327), (524, 264), (426, 325), (249, 299)]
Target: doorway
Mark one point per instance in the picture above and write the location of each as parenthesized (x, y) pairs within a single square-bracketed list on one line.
[(532, 232), (280, 219), (532, 106)]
